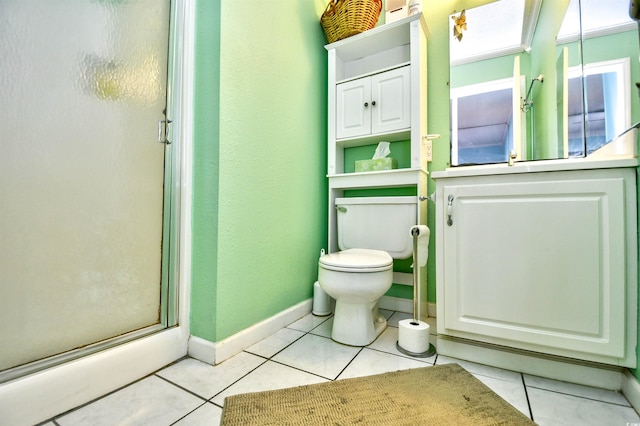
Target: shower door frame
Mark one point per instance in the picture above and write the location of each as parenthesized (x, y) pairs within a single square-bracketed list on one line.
[(67, 381)]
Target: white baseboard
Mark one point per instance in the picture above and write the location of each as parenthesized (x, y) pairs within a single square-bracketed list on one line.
[(396, 304), (216, 352), (202, 350), (403, 278), (403, 305), (631, 389)]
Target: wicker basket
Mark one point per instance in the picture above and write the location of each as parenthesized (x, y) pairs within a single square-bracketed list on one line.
[(344, 18)]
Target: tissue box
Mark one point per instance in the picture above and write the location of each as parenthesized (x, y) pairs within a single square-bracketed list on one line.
[(395, 10), (377, 164)]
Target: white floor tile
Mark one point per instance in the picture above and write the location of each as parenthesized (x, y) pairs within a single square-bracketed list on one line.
[(269, 376), (397, 317), (275, 343), (318, 355), (205, 415), (512, 392), (369, 362), (207, 380), (308, 322), (552, 408), (151, 401), (324, 329), (576, 390), (387, 314)]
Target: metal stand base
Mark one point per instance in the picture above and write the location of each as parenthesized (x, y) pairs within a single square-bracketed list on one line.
[(429, 353)]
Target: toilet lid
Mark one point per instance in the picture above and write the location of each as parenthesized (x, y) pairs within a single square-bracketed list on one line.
[(363, 260)]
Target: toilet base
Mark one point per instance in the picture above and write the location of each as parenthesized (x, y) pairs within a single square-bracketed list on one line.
[(354, 324)]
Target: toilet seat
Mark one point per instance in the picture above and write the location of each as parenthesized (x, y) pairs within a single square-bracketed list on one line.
[(357, 260)]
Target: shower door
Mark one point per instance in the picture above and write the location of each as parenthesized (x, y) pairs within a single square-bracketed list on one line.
[(83, 87)]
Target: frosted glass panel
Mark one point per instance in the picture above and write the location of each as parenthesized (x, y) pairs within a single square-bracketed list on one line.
[(83, 86)]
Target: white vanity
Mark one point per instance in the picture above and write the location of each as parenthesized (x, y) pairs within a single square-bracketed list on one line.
[(539, 258)]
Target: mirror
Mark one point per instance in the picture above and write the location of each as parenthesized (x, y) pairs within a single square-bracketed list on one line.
[(540, 79)]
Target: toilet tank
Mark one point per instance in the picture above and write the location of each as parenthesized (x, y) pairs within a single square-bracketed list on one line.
[(378, 223)]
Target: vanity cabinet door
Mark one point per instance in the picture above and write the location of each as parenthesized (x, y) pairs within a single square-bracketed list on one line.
[(541, 263), (374, 105)]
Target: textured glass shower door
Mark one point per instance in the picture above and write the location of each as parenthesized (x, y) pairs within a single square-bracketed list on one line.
[(82, 175)]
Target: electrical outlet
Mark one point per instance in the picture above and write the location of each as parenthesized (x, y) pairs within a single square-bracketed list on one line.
[(428, 148)]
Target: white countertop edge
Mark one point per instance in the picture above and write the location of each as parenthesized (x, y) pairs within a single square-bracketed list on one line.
[(536, 166)]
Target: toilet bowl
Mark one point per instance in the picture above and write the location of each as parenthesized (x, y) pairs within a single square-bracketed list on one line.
[(356, 279), (370, 233)]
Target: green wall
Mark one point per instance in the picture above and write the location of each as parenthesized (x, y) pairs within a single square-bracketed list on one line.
[(206, 124), (260, 194), (543, 62)]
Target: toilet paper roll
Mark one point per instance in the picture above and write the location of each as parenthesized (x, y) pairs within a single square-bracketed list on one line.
[(423, 243), (413, 336)]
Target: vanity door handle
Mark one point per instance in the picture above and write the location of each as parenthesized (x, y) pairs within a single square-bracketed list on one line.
[(450, 210)]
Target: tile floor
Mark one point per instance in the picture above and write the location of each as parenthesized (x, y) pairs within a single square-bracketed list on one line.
[(190, 392)]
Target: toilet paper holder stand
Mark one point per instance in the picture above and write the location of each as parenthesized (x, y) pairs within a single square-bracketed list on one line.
[(431, 350)]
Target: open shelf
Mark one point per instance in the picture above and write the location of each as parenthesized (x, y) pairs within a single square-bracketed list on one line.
[(383, 37), (378, 179)]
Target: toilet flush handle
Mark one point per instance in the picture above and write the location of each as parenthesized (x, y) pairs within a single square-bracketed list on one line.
[(450, 210)]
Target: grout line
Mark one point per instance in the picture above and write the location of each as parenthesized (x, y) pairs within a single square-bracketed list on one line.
[(182, 388), (238, 379), (304, 371), (197, 408), (57, 416), (526, 395), (349, 363), (581, 396)]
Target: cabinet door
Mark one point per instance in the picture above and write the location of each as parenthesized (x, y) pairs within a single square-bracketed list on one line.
[(353, 108), (391, 101), (539, 266)]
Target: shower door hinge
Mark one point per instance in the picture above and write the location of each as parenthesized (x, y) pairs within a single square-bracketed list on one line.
[(163, 131)]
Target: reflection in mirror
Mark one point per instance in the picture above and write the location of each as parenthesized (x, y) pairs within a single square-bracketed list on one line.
[(487, 113), (483, 115), (583, 50), (606, 87), (488, 121), (609, 41)]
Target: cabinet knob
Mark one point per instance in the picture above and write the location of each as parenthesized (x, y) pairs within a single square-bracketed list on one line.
[(366, 104), (373, 103)]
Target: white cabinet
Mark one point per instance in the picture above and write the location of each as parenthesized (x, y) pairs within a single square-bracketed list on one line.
[(377, 91), (386, 65), (376, 104), (544, 262)]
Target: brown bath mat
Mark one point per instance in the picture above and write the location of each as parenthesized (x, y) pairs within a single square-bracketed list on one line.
[(439, 395)]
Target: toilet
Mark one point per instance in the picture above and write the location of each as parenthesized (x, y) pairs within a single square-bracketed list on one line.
[(371, 232)]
